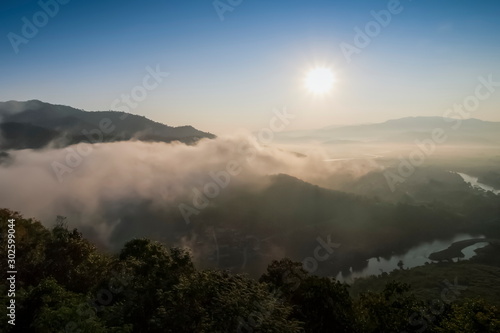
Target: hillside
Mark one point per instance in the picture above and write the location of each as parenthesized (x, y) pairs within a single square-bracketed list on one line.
[(476, 279), (35, 124), (147, 287)]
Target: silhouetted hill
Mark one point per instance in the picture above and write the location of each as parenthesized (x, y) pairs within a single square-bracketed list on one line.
[(34, 124), (23, 136)]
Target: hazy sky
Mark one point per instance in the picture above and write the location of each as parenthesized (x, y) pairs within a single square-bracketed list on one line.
[(231, 73)]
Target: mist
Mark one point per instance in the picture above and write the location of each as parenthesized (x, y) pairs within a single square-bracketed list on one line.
[(238, 204), (87, 183)]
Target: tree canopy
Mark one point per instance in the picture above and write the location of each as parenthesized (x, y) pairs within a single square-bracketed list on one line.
[(65, 284)]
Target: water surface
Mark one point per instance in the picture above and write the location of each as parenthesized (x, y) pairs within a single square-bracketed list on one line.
[(416, 256), (473, 181)]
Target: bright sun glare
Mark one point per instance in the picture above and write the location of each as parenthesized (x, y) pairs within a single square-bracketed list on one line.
[(320, 80)]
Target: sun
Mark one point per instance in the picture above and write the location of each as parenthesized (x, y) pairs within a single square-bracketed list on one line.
[(320, 80)]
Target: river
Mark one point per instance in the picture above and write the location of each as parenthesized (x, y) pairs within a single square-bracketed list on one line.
[(419, 255), (416, 256), (473, 181)]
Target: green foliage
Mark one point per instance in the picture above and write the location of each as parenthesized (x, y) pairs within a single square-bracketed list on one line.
[(31, 240), (67, 285), (284, 276), (49, 307), (427, 281), (151, 271), (73, 261), (62, 254), (321, 304), (388, 311), (216, 301), (474, 316)]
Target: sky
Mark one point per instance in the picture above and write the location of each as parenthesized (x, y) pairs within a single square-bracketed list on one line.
[(231, 63)]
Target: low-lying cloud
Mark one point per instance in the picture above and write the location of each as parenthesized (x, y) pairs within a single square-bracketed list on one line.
[(114, 177)]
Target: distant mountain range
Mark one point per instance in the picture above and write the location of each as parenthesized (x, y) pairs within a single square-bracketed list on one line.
[(35, 124), (404, 130)]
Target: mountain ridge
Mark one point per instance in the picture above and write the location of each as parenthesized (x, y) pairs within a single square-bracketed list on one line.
[(70, 125), (403, 130)]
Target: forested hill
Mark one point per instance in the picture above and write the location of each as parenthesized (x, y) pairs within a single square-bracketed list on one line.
[(64, 284), (35, 124)]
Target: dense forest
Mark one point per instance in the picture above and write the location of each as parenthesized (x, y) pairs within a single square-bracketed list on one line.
[(65, 284)]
